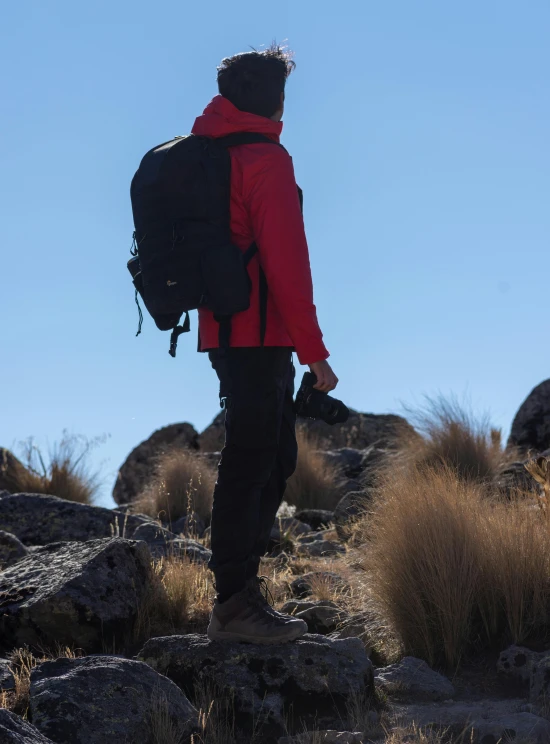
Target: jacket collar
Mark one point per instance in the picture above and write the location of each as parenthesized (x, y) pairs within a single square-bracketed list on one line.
[(221, 118)]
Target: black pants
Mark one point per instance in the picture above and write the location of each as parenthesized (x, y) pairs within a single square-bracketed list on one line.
[(257, 387)]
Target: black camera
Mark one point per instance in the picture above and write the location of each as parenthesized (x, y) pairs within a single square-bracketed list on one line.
[(311, 403)]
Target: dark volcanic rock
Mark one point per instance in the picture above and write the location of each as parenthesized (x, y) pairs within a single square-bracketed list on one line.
[(303, 585), (85, 594), (531, 426), (162, 543), (139, 466), (10, 471), (313, 674), (102, 699), (317, 519), (349, 509), (11, 549), (412, 679), (14, 730), (7, 681), (39, 520), (361, 430)]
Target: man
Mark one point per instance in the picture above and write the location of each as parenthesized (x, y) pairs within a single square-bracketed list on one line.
[(256, 372)]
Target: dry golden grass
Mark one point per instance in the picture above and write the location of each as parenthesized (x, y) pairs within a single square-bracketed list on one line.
[(178, 599), (451, 569), (65, 473), (313, 485), (453, 438), (183, 483), (163, 729)]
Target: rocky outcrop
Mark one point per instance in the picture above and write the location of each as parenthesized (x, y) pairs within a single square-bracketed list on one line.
[(11, 470), (531, 426), (83, 594), (360, 431), (482, 722), (351, 508), (313, 674), (37, 519), (102, 699), (11, 549), (139, 467), (413, 679), (14, 730)]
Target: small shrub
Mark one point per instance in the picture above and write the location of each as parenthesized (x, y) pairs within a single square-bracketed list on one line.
[(453, 438), (65, 474), (183, 483), (313, 485)]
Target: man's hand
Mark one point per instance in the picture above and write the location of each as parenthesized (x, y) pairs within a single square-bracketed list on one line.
[(326, 379)]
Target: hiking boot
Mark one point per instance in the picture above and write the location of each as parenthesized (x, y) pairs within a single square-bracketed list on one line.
[(261, 595), (243, 618)]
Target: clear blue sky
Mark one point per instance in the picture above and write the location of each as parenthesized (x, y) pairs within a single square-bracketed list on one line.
[(420, 135)]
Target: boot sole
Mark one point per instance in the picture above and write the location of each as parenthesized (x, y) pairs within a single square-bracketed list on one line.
[(220, 635)]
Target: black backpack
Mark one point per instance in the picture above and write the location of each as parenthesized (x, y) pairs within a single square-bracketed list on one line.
[(183, 257)]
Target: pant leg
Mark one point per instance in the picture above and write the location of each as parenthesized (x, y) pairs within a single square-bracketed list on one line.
[(272, 494), (253, 382)]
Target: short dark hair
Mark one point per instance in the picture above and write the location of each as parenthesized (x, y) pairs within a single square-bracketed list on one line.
[(253, 81)]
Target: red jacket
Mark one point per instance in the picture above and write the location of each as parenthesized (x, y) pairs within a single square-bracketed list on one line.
[(265, 208)]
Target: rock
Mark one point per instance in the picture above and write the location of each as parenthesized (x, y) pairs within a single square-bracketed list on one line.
[(350, 509), (7, 682), (12, 471), (11, 549), (98, 699), (354, 626), (482, 722), (324, 737), (320, 548), (531, 426), (304, 585), (288, 527), (85, 594), (14, 730), (347, 460), (540, 679), (212, 439), (162, 543), (361, 430), (139, 467), (37, 519), (317, 519), (191, 525), (514, 478), (518, 662), (322, 617), (413, 679), (312, 674)]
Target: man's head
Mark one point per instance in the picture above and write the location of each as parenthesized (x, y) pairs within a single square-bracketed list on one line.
[(255, 81)]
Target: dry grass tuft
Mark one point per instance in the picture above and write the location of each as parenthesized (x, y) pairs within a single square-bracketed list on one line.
[(66, 474), (216, 715), (453, 438), (452, 570), (163, 728), (177, 600), (313, 485), (184, 483), (413, 734)]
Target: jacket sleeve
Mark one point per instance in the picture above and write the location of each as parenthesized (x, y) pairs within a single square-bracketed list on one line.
[(271, 198)]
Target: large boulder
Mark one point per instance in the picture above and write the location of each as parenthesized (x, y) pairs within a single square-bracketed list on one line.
[(480, 722), (102, 699), (14, 730), (140, 465), (75, 593), (360, 431), (314, 675), (531, 426), (37, 519), (11, 471), (11, 549)]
